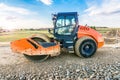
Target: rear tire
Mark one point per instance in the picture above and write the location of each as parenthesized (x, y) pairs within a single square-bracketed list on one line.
[(85, 47), (38, 38)]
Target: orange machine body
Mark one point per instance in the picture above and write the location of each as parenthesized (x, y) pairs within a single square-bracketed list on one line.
[(87, 31), (30, 47)]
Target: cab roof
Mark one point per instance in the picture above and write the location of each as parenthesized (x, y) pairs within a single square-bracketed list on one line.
[(68, 13)]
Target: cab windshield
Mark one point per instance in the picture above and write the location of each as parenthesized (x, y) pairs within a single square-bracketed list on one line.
[(65, 25)]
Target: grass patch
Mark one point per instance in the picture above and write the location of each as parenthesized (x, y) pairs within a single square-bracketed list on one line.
[(10, 36)]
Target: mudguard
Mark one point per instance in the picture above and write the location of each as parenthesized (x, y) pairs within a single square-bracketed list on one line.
[(87, 31)]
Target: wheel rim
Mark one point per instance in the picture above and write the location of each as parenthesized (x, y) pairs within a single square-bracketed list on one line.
[(87, 48)]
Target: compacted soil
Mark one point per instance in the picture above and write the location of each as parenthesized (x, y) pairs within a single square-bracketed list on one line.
[(104, 65)]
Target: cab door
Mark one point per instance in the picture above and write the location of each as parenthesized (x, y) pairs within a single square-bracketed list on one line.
[(66, 28)]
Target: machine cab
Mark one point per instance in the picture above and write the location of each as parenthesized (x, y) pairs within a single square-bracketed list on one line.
[(65, 23)]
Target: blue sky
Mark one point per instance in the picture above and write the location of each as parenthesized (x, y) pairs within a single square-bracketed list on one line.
[(37, 13)]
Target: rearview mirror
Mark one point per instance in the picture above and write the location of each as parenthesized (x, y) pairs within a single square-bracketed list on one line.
[(54, 18), (50, 31)]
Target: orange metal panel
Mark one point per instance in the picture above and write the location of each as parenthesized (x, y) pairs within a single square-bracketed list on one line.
[(23, 46), (87, 31)]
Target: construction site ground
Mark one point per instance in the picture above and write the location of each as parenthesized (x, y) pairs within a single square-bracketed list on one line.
[(104, 65)]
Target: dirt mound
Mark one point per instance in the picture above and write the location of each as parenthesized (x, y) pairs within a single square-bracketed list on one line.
[(113, 33), (110, 40), (112, 36)]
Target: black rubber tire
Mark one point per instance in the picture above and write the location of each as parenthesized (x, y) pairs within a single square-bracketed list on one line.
[(85, 47), (38, 39)]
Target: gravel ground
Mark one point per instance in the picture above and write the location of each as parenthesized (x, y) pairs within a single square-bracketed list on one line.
[(104, 65)]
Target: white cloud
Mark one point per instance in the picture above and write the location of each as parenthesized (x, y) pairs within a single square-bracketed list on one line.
[(23, 23), (17, 17), (47, 2), (108, 7), (105, 14), (6, 8)]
